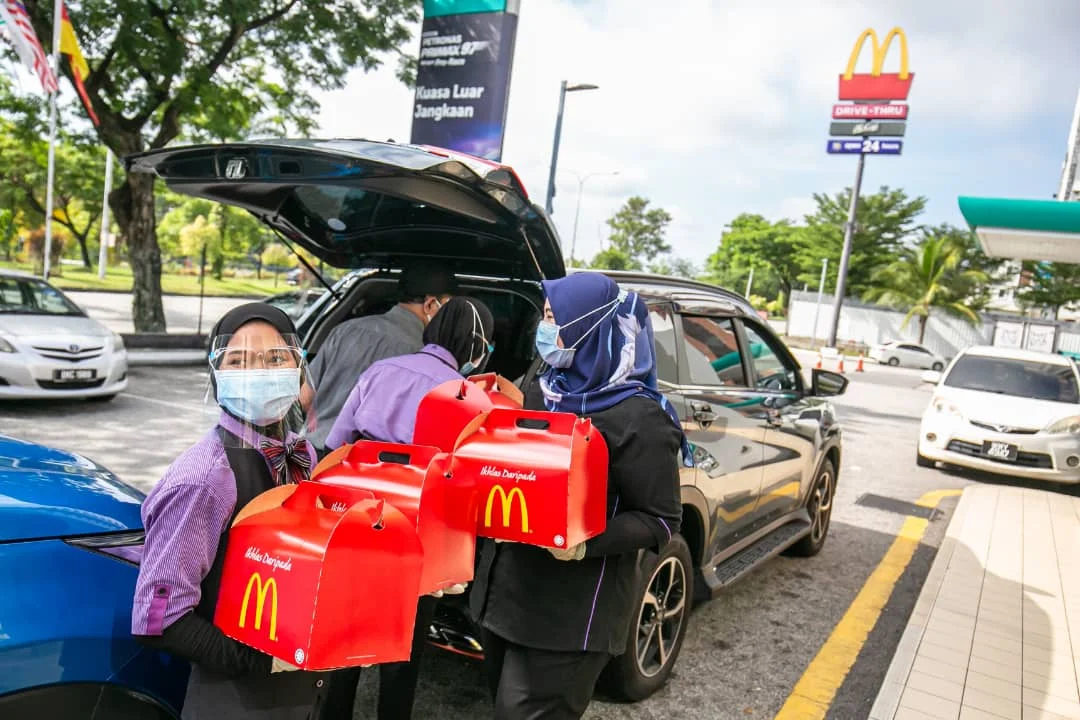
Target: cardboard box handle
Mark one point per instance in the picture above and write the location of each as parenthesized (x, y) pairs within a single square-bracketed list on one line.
[(373, 452), (533, 423), (324, 497), (494, 381), (401, 458), (555, 423)]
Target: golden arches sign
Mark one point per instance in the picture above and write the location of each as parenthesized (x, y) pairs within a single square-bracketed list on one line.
[(879, 50)]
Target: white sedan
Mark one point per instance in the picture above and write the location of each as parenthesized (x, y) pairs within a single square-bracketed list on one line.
[(1011, 412), (49, 348), (907, 354)]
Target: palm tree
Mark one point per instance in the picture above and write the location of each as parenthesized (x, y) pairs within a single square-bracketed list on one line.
[(925, 277)]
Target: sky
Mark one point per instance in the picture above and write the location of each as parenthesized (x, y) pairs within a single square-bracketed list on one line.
[(711, 109)]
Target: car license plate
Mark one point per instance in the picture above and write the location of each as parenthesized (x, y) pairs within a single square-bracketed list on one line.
[(1000, 451), (73, 375)]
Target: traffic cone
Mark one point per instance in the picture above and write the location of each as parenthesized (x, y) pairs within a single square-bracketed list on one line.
[(859, 367), (818, 366), (840, 365)]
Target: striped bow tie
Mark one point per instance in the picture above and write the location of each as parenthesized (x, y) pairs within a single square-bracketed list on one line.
[(291, 463)]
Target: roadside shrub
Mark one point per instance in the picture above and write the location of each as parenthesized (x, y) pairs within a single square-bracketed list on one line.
[(35, 247)]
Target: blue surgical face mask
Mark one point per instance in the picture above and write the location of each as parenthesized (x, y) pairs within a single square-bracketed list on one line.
[(474, 365), (261, 397), (547, 344)]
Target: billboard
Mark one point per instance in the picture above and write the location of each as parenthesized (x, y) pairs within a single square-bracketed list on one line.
[(463, 78), (877, 85)]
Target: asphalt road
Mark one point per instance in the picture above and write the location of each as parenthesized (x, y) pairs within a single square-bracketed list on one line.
[(744, 651), (182, 312)]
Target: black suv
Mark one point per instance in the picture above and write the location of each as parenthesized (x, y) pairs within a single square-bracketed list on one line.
[(766, 446)]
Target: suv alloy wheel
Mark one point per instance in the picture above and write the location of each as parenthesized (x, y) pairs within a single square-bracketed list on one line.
[(657, 625), (819, 505)]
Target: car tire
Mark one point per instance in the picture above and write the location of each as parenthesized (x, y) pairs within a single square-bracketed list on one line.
[(653, 646), (923, 461), (819, 505), (893, 361), (937, 367), (101, 398)]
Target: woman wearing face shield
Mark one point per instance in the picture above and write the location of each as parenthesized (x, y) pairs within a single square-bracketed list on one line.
[(257, 367), (553, 618), (383, 407)]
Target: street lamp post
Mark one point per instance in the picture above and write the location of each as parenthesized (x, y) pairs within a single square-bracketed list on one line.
[(563, 89), (577, 212)]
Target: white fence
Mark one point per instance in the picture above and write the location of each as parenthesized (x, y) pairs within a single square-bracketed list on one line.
[(871, 324)]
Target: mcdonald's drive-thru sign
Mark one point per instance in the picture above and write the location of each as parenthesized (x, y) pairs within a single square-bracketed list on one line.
[(877, 85)]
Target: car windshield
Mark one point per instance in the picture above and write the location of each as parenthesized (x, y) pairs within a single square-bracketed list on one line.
[(1021, 378), (30, 296)]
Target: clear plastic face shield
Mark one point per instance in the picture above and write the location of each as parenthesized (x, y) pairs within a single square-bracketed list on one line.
[(479, 341), (259, 379)]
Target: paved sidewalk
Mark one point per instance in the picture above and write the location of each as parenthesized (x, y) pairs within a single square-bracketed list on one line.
[(995, 634)]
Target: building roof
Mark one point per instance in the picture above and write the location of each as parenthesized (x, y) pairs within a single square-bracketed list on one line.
[(1025, 229)]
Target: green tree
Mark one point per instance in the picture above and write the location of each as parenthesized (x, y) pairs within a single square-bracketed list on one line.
[(1051, 285), (926, 277), (676, 266), (277, 258), (77, 187), (637, 232), (201, 239), (882, 223), (987, 270), (612, 259), (769, 248), (220, 69)]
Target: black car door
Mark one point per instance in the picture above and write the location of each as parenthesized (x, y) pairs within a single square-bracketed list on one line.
[(722, 421), (791, 420)]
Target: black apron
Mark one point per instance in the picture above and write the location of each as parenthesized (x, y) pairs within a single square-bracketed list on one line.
[(295, 695)]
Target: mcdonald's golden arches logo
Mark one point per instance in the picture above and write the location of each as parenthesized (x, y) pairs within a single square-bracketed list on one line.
[(507, 504), (261, 591), (877, 85)]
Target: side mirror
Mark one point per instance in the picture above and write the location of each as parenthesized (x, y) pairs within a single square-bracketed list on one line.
[(931, 376), (826, 383)]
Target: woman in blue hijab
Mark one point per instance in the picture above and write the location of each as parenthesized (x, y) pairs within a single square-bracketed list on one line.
[(553, 618)]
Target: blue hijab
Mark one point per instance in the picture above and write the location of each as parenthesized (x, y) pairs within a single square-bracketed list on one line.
[(614, 354)]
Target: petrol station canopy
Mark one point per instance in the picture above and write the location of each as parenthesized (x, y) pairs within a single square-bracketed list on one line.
[(1025, 229)]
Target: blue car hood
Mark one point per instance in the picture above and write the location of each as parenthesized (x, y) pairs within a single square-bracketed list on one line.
[(48, 493)]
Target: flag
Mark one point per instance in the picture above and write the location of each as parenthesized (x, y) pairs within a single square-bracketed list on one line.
[(80, 70), (25, 40)]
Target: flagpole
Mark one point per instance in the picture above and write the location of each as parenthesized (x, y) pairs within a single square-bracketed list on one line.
[(58, 18), (103, 252)]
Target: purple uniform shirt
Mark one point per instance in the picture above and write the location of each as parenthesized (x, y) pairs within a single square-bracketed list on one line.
[(184, 516), (387, 395)]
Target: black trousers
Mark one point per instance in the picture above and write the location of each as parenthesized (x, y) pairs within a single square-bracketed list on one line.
[(397, 681), (532, 684)]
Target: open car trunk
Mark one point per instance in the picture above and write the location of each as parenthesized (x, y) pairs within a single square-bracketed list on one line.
[(355, 203)]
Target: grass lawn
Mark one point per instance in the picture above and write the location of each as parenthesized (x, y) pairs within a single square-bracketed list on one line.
[(119, 278)]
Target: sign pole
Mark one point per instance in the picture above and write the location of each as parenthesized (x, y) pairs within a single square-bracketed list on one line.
[(749, 283), (820, 294), (58, 16), (103, 251), (845, 257)]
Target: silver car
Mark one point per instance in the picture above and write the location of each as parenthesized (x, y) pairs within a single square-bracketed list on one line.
[(49, 348)]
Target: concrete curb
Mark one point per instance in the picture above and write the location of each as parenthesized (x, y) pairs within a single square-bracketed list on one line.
[(892, 687), (165, 358)]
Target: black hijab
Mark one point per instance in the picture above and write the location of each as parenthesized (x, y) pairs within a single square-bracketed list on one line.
[(455, 328), (241, 315)]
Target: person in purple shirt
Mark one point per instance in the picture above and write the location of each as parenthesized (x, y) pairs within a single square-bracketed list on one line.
[(257, 370), (383, 407)]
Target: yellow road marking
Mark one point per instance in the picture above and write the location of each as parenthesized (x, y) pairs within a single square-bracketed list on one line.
[(813, 694)]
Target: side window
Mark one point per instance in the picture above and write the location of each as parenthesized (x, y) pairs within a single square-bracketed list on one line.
[(769, 368), (712, 351), (663, 327)]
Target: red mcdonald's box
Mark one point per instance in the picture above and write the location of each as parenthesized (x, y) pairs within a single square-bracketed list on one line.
[(541, 477), (445, 412), (417, 481), (322, 577), (500, 391)]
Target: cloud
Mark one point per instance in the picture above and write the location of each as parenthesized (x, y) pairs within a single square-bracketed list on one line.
[(720, 108)]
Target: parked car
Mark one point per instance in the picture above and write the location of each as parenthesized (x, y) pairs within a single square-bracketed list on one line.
[(50, 348), (767, 446), (70, 543), (296, 302), (907, 354), (1005, 411)]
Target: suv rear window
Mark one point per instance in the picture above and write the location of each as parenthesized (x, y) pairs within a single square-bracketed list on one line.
[(1020, 378), (712, 351)]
